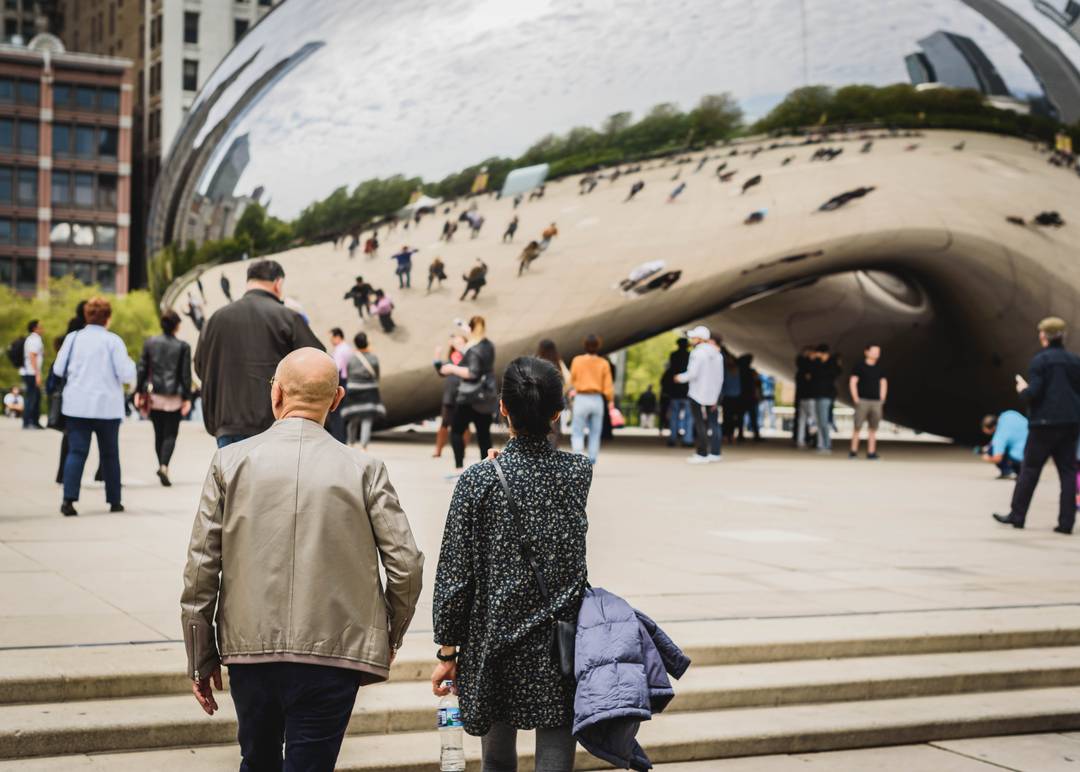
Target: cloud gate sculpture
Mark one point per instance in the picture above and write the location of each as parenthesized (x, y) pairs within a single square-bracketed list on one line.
[(701, 160)]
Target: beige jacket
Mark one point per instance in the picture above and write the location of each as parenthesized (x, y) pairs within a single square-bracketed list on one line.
[(285, 554)]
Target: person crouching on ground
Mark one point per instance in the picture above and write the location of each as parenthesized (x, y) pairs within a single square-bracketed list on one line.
[(1008, 435), (491, 622), (302, 621)]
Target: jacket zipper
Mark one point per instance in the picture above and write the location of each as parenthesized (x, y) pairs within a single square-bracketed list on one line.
[(195, 651)]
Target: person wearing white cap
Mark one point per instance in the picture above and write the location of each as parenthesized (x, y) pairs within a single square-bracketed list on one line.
[(705, 376)]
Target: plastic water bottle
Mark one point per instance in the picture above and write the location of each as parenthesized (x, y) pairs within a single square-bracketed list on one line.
[(451, 733)]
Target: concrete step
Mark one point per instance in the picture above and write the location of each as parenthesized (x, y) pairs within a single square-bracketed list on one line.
[(677, 737), (83, 673), (163, 721)]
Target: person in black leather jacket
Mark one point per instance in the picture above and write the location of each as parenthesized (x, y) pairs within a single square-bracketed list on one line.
[(163, 391), (1053, 394)]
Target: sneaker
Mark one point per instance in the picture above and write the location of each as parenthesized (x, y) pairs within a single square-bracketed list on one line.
[(165, 481), (116, 507), (696, 459), (714, 458), (852, 454), (871, 456)]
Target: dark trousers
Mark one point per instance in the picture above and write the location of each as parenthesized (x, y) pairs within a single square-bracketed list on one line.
[(166, 427), (1045, 442), (31, 402), (306, 708), (463, 416), (78, 436), (228, 439), (706, 429)]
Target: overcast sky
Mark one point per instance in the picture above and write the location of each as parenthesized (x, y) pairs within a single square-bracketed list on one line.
[(428, 87)]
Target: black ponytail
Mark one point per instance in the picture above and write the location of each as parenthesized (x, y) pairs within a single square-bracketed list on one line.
[(532, 391)]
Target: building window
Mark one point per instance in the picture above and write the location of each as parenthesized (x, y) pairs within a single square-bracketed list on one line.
[(29, 92), (191, 27), (61, 189), (106, 276), (84, 141), (7, 90), (6, 182), (61, 95), (83, 271), (5, 232), (154, 125), (28, 137), (155, 78), (265, 2), (106, 191), (6, 271), (60, 233), (85, 97), (105, 236), (82, 235), (191, 75), (26, 189), (26, 274), (112, 20), (107, 141), (109, 100), (26, 233), (155, 32), (84, 189), (58, 269), (7, 134), (61, 139), (240, 28)]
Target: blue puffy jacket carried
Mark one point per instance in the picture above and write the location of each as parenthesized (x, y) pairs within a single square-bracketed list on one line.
[(621, 661)]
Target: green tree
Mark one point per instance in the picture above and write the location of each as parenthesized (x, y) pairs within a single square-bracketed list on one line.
[(804, 106), (716, 117)]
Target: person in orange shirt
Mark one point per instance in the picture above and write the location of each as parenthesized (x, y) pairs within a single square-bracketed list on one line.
[(547, 235), (594, 392)]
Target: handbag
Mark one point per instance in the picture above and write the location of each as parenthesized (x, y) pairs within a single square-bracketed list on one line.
[(483, 389), (55, 418), (617, 419), (563, 634)]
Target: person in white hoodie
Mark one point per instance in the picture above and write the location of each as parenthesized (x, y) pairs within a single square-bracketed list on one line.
[(705, 376)]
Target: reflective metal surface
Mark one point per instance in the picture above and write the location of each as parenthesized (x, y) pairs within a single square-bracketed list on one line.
[(327, 94)]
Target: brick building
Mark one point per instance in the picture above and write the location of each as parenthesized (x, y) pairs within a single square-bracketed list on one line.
[(65, 166)]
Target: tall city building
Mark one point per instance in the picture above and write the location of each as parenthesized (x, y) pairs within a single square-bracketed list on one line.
[(175, 45), (1067, 17), (65, 166), (955, 61), (919, 68), (22, 19)]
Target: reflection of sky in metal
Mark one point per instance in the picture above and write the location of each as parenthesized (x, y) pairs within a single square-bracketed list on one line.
[(426, 88)]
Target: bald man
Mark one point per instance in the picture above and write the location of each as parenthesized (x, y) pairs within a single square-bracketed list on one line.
[(284, 559)]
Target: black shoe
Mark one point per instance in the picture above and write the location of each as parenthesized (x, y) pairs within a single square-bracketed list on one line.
[(871, 456), (67, 509), (99, 476), (1007, 520), (1066, 531), (164, 478), (852, 454), (116, 507)]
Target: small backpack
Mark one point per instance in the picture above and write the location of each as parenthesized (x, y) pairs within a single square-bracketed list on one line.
[(17, 352)]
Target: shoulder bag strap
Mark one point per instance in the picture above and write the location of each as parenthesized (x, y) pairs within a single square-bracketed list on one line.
[(526, 550), (367, 365)]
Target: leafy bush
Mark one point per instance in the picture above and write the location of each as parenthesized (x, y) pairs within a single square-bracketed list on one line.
[(134, 318)]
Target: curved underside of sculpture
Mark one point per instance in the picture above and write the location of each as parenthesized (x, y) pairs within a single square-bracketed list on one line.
[(927, 265)]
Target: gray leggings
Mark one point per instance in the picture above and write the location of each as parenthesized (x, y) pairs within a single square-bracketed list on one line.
[(554, 749), (359, 429)]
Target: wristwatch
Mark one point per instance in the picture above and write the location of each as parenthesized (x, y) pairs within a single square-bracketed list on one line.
[(445, 658)]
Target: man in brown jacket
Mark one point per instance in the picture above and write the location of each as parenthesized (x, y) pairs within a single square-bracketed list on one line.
[(284, 557), (238, 350)]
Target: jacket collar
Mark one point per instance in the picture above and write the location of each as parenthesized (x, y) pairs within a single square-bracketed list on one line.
[(264, 293)]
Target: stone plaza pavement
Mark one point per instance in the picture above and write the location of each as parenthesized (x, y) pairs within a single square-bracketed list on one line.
[(767, 533), (829, 605)]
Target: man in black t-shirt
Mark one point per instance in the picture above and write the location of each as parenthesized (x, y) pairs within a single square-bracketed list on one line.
[(868, 387)]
